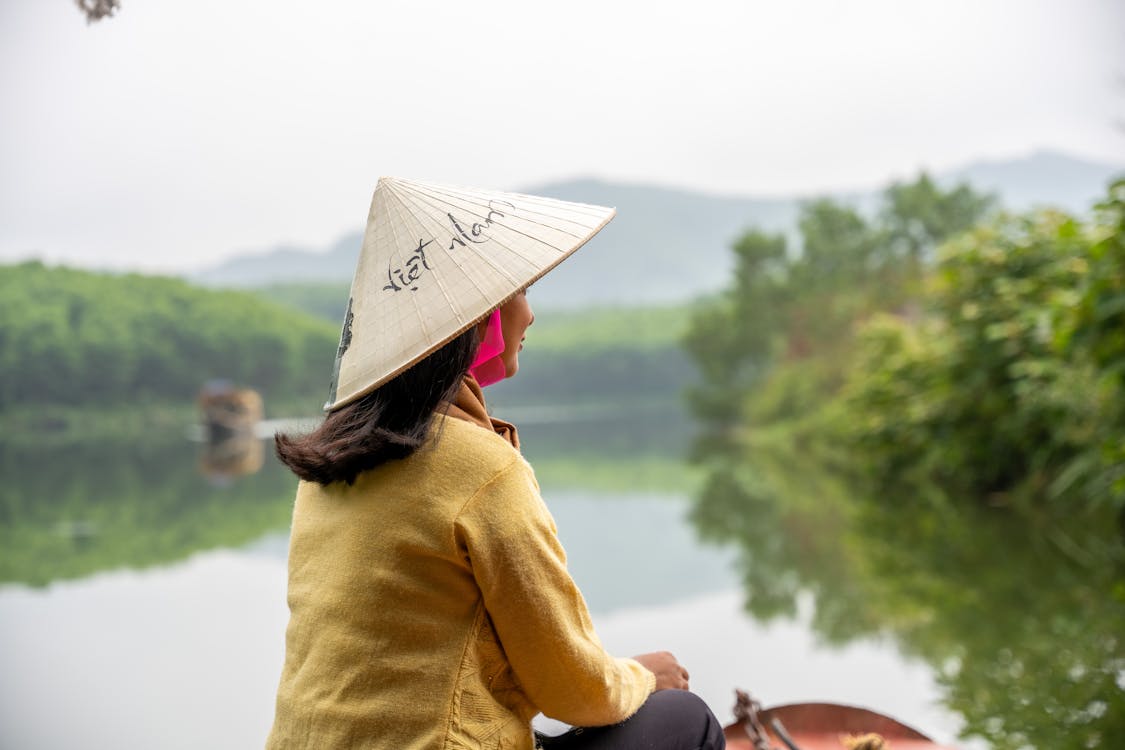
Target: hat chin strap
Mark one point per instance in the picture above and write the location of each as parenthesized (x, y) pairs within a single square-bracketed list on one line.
[(487, 366)]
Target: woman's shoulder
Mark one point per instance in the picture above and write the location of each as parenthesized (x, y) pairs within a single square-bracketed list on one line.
[(470, 450), (457, 461)]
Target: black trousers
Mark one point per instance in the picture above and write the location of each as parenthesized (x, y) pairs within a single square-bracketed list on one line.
[(669, 720)]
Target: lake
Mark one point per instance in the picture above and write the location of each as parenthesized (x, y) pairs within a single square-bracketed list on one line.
[(142, 586)]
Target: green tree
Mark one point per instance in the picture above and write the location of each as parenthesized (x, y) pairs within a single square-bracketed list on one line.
[(1004, 389), (77, 338), (919, 216), (125, 503), (781, 335), (731, 337)]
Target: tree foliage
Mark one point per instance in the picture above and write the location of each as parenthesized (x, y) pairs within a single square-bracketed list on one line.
[(789, 309), (75, 337), (327, 300), (1011, 382), (73, 509), (919, 216), (971, 376), (96, 10)]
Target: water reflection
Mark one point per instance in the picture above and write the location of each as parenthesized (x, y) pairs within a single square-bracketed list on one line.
[(617, 487), (225, 460), (1021, 613), (73, 509)]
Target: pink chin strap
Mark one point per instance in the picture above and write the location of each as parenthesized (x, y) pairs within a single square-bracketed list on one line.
[(487, 367)]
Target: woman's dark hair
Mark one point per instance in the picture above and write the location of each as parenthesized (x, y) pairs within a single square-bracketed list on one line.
[(390, 422)]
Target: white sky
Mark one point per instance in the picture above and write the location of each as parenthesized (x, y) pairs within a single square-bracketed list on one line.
[(183, 131)]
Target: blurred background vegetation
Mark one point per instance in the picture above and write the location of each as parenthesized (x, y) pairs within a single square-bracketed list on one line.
[(74, 338), (919, 417), (940, 342)]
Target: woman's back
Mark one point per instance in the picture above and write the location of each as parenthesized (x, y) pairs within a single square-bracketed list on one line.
[(375, 564), (395, 583)]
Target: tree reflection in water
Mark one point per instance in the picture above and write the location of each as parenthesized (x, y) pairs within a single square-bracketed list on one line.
[(1020, 612), (71, 510)]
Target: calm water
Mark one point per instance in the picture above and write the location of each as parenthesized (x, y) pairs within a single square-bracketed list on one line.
[(143, 601)]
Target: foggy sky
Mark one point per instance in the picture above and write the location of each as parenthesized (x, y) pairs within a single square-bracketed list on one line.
[(178, 132)]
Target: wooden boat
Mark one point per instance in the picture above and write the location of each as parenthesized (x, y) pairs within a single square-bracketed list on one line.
[(228, 411), (818, 726)]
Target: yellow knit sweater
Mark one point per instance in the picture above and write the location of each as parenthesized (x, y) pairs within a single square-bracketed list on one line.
[(430, 607)]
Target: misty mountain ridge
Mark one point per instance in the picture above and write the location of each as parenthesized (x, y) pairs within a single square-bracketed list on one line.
[(668, 245)]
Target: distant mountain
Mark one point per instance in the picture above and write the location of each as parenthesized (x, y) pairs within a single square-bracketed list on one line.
[(287, 264), (1046, 178), (668, 245)]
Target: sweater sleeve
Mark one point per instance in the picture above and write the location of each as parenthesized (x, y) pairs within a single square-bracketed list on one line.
[(539, 615)]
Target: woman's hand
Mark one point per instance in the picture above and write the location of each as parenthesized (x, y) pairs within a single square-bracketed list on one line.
[(669, 673)]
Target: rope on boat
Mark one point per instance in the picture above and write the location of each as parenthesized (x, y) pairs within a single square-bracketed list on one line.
[(746, 711), (779, 730)]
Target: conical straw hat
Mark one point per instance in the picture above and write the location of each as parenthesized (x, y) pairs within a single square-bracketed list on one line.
[(435, 260)]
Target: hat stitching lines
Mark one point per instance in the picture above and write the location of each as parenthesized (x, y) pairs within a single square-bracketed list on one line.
[(396, 240), (582, 227), (439, 279), (415, 263), (415, 217), (367, 318), (554, 217), (430, 211), (415, 220), (463, 208), (582, 209), (448, 196), (487, 258)]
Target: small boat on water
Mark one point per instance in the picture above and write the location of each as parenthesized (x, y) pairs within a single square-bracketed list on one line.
[(231, 421), (818, 726), (228, 411)]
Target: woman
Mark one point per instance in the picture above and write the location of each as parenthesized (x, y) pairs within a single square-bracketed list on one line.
[(429, 597)]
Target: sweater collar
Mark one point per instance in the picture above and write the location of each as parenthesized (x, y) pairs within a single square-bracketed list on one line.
[(468, 405)]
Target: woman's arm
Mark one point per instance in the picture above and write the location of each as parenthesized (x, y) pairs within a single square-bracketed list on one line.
[(539, 615)]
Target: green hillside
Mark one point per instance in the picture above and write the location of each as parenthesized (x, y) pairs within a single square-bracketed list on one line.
[(616, 357), (149, 505), (324, 299), (91, 340), (600, 355), (597, 328), (606, 329), (70, 337)]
